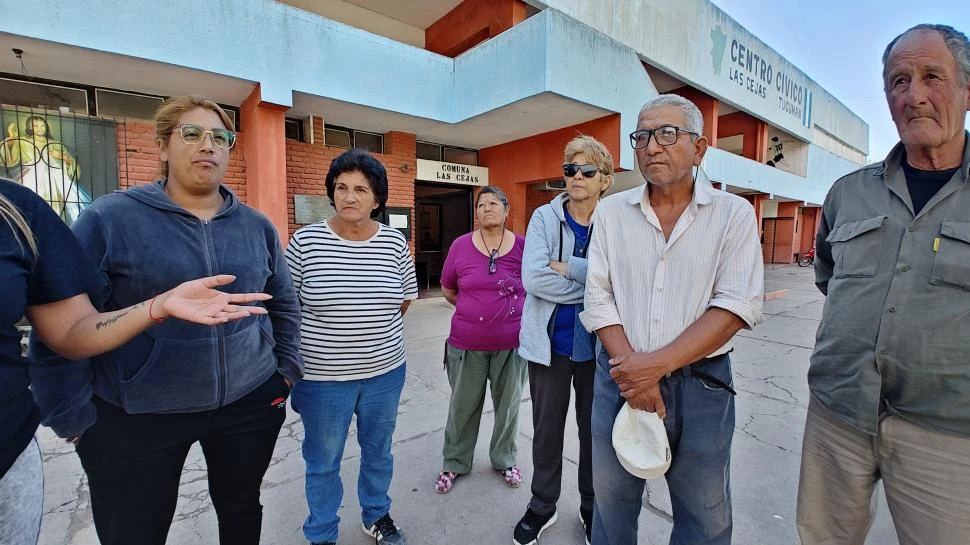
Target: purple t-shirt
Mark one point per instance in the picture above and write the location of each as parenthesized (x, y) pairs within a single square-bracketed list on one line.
[(489, 308)]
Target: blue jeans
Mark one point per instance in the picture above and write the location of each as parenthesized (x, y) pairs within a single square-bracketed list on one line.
[(700, 427), (326, 408)]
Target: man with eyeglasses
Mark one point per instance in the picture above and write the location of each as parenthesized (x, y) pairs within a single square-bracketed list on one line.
[(675, 270)]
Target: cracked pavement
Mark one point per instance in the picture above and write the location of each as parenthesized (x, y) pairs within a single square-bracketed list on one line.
[(770, 364)]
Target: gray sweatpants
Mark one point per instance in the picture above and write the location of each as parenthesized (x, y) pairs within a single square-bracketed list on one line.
[(22, 498)]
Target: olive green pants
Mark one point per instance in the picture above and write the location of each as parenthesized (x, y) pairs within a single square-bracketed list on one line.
[(468, 373)]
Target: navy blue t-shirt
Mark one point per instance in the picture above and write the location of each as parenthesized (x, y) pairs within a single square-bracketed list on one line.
[(60, 270), (566, 315)]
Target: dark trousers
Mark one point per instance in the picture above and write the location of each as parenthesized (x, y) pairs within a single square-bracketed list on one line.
[(549, 386), (134, 464)]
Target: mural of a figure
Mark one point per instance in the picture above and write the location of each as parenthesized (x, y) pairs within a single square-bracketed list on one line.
[(36, 159)]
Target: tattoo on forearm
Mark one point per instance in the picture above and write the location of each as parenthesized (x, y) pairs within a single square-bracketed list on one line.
[(117, 316)]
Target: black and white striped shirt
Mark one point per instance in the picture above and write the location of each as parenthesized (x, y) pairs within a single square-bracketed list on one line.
[(351, 294)]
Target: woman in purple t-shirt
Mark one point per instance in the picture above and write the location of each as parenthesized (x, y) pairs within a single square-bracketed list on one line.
[(482, 277)]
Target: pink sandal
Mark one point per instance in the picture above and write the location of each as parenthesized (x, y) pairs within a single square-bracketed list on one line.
[(512, 476), (446, 480)]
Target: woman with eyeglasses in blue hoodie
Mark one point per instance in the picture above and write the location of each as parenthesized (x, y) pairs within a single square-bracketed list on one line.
[(135, 411)]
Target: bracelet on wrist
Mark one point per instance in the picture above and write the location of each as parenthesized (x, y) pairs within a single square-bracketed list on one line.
[(156, 320)]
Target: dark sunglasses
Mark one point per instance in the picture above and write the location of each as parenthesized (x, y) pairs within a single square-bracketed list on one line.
[(193, 134), (491, 261), (588, 170)]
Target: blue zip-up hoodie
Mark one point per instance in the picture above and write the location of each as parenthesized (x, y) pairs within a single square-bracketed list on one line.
[(547, 236), (144, 244)]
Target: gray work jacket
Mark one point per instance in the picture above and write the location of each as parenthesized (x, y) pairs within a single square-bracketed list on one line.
[(895, 330)]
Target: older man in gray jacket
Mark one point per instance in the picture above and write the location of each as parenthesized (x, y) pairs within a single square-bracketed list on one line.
[(890, 376)]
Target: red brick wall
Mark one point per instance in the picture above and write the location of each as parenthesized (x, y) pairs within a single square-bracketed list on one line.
[(307, 166), (138, 161)]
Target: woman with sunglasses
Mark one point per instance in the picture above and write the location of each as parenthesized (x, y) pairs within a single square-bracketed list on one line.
[(135, 412), (559, 350), (482, 278)]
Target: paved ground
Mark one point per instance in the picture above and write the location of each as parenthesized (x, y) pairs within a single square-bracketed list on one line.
[(769, 362)]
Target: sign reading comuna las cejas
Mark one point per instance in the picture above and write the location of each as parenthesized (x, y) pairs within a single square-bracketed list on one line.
[(451, 173)]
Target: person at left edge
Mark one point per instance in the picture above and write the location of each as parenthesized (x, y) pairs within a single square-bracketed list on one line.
[(45, 275), (138, 409)]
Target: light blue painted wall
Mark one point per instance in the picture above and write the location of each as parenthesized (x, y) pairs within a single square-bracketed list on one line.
[(824, 169), (676, 35), (286, 50)]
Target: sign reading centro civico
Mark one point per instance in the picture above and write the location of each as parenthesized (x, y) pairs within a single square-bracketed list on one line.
[(451, 173), (756, 74)]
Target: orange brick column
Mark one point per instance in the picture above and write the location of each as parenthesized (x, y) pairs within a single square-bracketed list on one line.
[(266, 158), (400, 160)]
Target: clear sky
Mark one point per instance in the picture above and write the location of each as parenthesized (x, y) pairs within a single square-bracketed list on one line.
[(839, 44)]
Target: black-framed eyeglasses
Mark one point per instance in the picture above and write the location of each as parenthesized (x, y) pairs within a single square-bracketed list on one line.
[(491, 261), (193, 134), (588, 170), (666, 135)]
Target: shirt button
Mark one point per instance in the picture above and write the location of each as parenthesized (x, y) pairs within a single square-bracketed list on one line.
[(883, 350), (659, 289), (892, 309), (662, 258), (912, 228), (904, 268)]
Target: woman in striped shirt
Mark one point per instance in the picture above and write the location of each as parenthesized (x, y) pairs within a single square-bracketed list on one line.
[(355, 279)]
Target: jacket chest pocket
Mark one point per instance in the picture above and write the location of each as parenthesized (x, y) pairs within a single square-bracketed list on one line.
[(951, 260), (857, 247)]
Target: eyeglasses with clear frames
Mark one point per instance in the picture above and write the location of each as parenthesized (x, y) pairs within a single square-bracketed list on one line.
[(666, 135), (193, 134)]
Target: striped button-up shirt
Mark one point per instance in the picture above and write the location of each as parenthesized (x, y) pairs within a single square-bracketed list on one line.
[(656, 288)]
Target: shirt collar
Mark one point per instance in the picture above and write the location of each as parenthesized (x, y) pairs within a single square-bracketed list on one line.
[(894, 159), (703, 194)]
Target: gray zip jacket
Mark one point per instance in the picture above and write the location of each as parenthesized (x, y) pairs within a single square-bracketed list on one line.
[(545, 288)]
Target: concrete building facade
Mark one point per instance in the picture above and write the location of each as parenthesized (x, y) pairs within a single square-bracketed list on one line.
[(450, 95)]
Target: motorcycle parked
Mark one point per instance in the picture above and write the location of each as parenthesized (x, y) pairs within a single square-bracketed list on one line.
[(807, 259)]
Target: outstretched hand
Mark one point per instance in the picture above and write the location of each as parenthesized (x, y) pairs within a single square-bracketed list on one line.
[(198, 301)]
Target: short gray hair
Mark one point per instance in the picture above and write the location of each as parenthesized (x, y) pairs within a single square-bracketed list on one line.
[(692, 114), (955, 41), (499, 194)]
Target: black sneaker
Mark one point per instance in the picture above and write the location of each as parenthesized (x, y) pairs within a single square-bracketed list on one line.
[(385, 532), (528, 530), (586, 517)]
